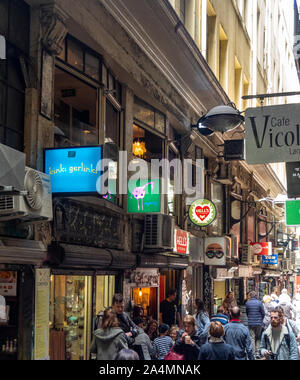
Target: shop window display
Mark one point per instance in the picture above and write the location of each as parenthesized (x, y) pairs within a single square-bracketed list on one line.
[(69, 315), (74, 303), (9, 324)]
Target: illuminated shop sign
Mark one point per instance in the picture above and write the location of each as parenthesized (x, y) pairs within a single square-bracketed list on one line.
[(181, 242), (74, 170), (144, 196), (292, 213), (262, 248), (202, 212), (270, 259)]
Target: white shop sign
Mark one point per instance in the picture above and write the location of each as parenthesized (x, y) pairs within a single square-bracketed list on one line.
[(273, 134)]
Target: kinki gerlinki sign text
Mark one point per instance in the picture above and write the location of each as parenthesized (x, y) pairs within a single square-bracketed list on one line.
[(83, 170), (273, 134), (202, 212)]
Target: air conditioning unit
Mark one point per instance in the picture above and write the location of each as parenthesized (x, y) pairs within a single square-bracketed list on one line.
[(234, 246), (246, 254), (159, 231), (35, 206), (286, 264)]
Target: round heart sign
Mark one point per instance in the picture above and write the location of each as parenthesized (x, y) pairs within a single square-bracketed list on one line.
[(202, 212)]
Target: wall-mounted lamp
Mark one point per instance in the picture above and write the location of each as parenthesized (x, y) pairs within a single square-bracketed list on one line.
[(222, 119)]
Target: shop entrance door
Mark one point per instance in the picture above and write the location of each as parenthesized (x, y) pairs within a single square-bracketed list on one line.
[(70, 317), (144, 302)]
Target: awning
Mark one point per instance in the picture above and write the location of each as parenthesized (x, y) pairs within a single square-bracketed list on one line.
[(21, 251), (162, 261), (77, 256), (268, 273)]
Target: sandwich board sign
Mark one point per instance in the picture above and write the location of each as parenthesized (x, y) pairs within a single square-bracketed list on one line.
[(273, 134)]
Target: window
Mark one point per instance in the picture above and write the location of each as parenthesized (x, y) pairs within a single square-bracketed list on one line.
[(149, 116), (75, 111), (146, 145), (112, 124), (15, 21), (81, 58)]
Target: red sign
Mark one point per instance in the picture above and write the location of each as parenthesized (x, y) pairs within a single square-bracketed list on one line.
[(262, 248), (298, 285), (181, 242)]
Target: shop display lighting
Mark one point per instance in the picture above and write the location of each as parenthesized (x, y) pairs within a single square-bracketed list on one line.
[(139, 148)]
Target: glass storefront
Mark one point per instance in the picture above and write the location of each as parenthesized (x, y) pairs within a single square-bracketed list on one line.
[(74, 303)]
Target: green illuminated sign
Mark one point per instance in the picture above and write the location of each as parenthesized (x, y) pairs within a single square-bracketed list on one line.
[(144, 196), (292, 213)]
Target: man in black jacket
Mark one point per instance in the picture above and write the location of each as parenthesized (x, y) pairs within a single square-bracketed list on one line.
[(126, 324)]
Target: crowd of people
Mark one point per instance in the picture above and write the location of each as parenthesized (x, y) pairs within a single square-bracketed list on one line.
[(257, 330)]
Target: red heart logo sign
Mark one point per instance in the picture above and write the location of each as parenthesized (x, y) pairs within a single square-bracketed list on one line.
[(202, 212)]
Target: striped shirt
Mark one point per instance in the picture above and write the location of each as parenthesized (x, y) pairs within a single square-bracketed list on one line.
[(222, 318), (161, 346)]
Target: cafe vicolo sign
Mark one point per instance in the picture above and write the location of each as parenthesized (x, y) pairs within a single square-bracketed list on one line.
[(273, 134)]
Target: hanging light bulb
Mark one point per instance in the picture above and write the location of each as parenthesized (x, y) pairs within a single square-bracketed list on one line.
[(140, 293), (139, 148)]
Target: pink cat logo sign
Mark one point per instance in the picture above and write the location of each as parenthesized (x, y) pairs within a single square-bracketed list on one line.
[(139, 194), (144, 196)]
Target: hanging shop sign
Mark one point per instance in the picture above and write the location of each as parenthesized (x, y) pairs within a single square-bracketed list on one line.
[(215, 250), (145, 277), (270, 259), (74, 170), (292, 213), (293, 179), (181, 242), (223, 273), (202, 212), (295, 245), (272, 134), (144, 196), (262, 248), (298, 284)]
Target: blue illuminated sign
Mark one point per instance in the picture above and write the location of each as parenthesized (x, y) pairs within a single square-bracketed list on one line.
[(73, 170), (270, 259)]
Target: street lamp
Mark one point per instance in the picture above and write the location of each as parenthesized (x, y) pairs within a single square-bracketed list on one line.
[(222, 119)]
